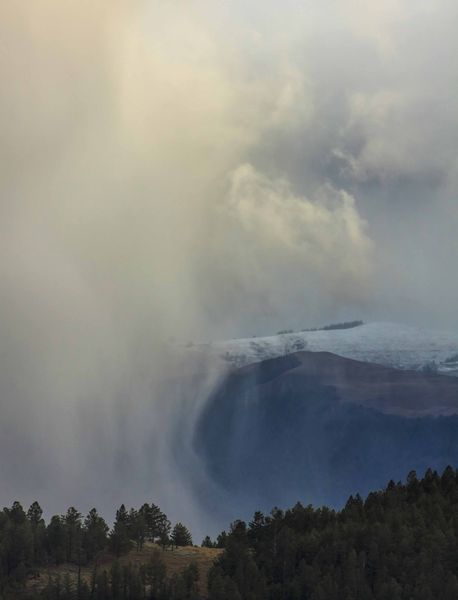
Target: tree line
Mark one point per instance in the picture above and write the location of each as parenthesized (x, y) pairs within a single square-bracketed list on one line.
[(27, 543), (400, 543), (397, 544)]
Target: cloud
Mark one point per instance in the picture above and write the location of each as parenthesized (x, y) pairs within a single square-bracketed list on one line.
[(301, 255), (194, 170), (124, 125)]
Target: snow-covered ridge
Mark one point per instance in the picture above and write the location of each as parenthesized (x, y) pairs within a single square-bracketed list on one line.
[(389, 344)]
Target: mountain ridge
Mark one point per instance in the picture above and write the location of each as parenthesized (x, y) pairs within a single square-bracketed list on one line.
[(387, 389), (319, 427), (390, 344)]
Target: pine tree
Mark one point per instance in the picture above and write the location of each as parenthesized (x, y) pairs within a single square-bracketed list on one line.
[(207, 542), (154, 576), (119, 536), (56, 539), (38, 528), (94, 534), (137, 527), (181, 536), (17, 542), (221, 540), (73, 524)]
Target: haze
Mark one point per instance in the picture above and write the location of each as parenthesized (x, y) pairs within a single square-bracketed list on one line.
[(195, 170)]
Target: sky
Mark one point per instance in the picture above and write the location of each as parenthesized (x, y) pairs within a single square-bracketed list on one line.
[(192, 170)]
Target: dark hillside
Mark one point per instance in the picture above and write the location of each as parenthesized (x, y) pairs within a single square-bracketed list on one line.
[(318, 427), (399, 544)]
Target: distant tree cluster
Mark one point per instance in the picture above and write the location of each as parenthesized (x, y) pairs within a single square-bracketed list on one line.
[(220, 541), (332, 326), (451, 359), (148, 523), (27, 544), (398, 544)]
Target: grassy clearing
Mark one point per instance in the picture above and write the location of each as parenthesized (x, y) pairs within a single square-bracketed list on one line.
[(175, 560)]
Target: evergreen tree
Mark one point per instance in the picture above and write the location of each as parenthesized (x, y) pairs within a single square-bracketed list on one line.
[(207, 542), (181, 536), (137, 526), (56, 540), (73, 531), (38, 529), (17, 543), (184, 585), (94, 534), (221, 540), (399, 544), (156, 522), (154, 576), (119, 536)]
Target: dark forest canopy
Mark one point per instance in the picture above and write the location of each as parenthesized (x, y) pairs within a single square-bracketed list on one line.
[(400, 543)]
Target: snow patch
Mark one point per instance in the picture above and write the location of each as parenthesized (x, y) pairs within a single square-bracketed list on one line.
[(390, 344)]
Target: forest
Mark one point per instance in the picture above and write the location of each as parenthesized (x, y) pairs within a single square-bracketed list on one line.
[(399, 543), (28, 547)]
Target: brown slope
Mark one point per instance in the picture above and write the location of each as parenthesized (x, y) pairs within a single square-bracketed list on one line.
[(175, 561), (389, 390)]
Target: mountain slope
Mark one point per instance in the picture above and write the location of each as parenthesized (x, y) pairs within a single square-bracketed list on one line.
[(317, 427), (390, 344), (175, 561)]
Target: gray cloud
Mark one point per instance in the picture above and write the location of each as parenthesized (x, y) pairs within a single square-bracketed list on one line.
[(383, 127), (192, 171)]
